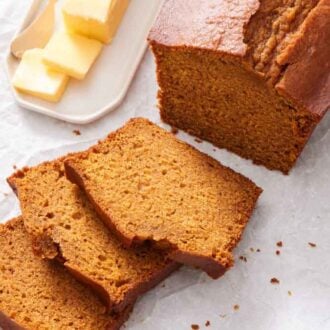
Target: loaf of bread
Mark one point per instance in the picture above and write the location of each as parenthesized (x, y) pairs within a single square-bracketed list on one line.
[(37, 294), (148, 186), (249, 76), (65, 227)]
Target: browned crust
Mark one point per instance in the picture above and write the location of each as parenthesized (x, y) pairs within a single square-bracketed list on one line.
[(132, 295), (213, 268), (77, 178), (306, 79), (6, 323), (120, 318)]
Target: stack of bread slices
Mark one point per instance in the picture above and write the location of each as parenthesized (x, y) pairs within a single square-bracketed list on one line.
[(101, 227)]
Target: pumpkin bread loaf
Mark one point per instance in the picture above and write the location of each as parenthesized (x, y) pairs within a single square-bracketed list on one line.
[(249, 76), (149, 186), (65, 227), (38, 294)]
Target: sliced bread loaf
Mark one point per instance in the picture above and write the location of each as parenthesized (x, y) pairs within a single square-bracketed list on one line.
[(39, 294), (149, 186), (65, 227)]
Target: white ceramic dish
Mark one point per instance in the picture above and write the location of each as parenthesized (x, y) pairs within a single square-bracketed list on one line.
[(107, 83)]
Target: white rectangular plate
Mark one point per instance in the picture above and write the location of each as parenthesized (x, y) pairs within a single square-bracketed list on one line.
[(107, 83)]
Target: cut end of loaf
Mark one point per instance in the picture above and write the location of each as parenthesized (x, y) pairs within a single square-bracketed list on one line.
[(262, 104)]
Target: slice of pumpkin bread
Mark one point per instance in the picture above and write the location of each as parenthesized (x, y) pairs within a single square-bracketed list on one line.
[(66, 228), (149, 186), (40, 294)]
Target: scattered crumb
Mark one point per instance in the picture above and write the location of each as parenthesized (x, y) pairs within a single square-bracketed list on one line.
[(236, 307), (76, 132), (278, 252), (195, 326), (6, 194), (223, 315), (174, 130), (252, 249), (289, 293), (243, 258), (163, 285), (198, 140), (279, 244), (214, 149), (14, 167), (208, 323), (313, 245), (274, 280), (258, 250)]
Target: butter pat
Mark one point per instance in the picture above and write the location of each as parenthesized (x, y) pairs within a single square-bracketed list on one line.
[(71, 54), (97, 19), (35, 78)]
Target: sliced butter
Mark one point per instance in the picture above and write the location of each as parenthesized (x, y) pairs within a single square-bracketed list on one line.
[(71, 54), (97, 19), (35, 78)]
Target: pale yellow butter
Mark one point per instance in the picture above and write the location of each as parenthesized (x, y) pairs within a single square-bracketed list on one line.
[(98, 19), (35, 78), (71, 54)]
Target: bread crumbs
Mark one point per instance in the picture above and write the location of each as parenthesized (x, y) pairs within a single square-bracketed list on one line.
[(313, 245), (243, 258), (195, 326), (279, 244), (76, 132), (274, 280), (208, 323), (278, 252), (236, 307)]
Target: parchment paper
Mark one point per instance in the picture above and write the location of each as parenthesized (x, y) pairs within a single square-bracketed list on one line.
[(293, 209)]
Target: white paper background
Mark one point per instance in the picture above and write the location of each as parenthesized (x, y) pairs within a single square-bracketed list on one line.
[(294, 209)]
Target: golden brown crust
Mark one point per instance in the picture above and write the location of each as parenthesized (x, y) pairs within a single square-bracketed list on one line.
[(206, 24), (232, 207), (306, 79)]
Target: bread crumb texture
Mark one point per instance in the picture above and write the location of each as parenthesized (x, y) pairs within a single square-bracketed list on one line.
[(39, 294), (152, 187), (64, 226)]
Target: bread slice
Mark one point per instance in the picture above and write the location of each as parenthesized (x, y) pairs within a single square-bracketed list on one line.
[(149, 186), (65, 227), (39, 294)]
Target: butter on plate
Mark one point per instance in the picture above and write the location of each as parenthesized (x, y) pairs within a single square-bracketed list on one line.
[(97, 19), (71, 54), (35, 78)]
